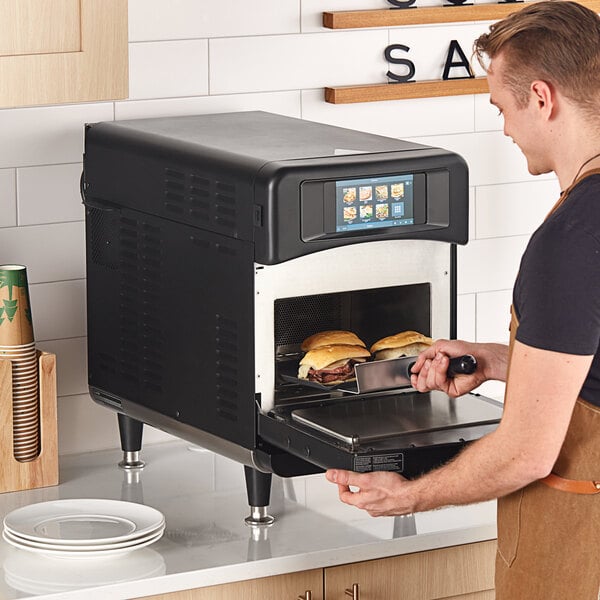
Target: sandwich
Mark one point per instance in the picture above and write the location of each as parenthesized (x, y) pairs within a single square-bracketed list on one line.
[(406, 343), (331, 338), (332, 364)]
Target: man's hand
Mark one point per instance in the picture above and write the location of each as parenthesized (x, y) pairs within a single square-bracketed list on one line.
[(429, 370), (381, 493)]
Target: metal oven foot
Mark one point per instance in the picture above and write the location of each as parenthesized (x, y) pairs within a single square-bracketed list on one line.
[(258, 487), (131, 461), (258, 517), (130, 431)]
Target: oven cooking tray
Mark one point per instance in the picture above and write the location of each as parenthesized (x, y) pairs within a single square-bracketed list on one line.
[(371, 419), (379, 375), (288, 373)]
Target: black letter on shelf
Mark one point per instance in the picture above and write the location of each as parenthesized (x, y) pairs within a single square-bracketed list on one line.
[(406, 4), (463, 62), (399, 61), (458, 2)]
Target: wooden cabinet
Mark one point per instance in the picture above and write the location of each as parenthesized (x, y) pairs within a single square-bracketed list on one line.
[(460, 573), (56, 51), (280, 587), (457, 572)]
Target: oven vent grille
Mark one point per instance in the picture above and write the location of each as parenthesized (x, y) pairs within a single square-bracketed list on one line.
[(102, 223), (298, 318), (141, 268), (227, 375), (201, 199)]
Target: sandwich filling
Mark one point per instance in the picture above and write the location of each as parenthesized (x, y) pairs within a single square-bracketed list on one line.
[(342, 370)]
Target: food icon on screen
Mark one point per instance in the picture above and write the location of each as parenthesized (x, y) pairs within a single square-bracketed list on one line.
[(349, 213), (366, 193), (397, 190), (349, 195), (366, 211), (382, 211), (381, 192)]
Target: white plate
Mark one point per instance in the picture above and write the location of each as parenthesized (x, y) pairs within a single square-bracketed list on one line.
[(82, 555), (11, 537), (39, 575), (83, 521)]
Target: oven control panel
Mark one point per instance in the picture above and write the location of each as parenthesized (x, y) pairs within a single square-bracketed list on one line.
[(399, 203)]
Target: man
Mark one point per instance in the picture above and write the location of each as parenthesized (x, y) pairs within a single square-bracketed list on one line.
[(543, 460)]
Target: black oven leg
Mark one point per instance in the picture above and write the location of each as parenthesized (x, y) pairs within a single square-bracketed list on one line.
[(258, 487), (130, 431)]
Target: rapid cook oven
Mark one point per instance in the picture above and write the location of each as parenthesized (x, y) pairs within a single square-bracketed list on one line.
[(217, 243)]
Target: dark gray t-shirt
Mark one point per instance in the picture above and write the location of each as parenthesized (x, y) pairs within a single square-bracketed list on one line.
[(557, 292)]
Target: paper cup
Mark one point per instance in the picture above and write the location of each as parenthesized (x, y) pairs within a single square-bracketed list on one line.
[(16, 324), (24, 436)]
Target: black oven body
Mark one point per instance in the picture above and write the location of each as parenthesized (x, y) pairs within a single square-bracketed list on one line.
[(192, 221)]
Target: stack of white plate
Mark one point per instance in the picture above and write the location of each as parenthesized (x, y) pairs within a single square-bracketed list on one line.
[(83, 528)]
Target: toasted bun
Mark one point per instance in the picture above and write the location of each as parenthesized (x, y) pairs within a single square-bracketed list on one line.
[(401, 340), (327, 338), (410, 350), (326, 356)]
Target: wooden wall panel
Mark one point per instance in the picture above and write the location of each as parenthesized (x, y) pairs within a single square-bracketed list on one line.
[(39, 26), (97, 71)]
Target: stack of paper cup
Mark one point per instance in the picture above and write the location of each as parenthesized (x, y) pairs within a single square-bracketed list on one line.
[(17, 345)]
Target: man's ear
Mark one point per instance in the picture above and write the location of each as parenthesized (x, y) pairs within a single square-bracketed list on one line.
[(543, 94)]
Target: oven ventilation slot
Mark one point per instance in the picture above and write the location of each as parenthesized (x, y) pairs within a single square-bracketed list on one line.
[(226, 368), (201, 200), (109, 398), (142, 274)]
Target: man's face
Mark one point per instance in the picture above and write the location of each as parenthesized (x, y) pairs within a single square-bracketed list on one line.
[(522, 124)]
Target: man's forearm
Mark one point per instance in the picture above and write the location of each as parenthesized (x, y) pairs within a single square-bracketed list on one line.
[(485, 470)]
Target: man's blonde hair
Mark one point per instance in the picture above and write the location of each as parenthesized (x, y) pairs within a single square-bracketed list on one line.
[(556, 41)]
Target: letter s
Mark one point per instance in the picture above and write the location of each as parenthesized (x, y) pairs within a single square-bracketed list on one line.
[(399, 61)]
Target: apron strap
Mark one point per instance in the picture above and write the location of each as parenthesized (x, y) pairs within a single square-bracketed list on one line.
[(573, 486)]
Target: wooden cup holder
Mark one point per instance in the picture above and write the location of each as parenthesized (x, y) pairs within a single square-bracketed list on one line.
[(43, 470)]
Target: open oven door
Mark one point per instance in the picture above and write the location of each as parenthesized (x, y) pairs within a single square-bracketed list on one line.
[(407, 432)]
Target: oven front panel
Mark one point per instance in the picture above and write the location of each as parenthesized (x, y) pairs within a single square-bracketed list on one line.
[(374, 289)]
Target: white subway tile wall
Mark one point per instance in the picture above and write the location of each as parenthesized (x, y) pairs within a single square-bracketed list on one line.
[(167, 69), (33, 183), (52, 252), (293, 62), (8, 198), (191, 57)]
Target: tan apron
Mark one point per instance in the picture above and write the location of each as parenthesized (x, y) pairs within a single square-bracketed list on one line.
[(549, 539)]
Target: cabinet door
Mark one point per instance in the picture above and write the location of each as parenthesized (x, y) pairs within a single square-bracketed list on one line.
[(280, 587), (54, 51), (487, 595), (462, 571)]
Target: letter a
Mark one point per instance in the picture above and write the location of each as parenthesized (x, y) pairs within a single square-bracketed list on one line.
[(463, 62)]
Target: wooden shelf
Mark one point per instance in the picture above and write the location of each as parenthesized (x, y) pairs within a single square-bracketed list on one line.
[(404, 91), (392, 17)]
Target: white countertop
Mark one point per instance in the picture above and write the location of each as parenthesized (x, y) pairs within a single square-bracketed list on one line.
[(206, 541)]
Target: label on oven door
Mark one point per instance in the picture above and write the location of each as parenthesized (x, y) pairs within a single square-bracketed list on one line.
[(379, 462)]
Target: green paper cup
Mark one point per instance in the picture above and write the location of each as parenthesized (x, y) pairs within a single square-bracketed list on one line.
[(16, 326)]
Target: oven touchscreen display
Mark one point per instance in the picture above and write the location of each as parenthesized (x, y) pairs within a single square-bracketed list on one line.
[(375, 202)]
